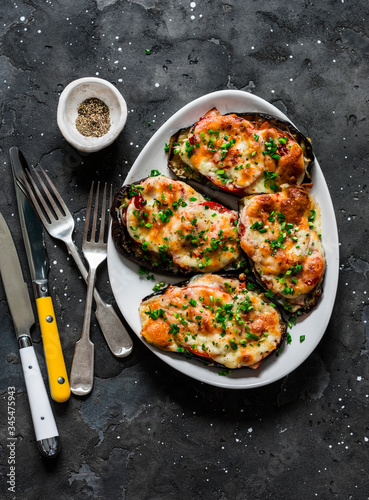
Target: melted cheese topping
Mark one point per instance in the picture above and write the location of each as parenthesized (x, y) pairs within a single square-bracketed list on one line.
[(280, 234), (239, 156), (213, 317), (170, 218)]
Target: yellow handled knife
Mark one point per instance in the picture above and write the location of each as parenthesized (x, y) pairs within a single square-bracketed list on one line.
[(38, 265)]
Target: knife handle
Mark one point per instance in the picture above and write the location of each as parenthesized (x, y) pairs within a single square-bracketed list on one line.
[(47, 434), (57, 372)]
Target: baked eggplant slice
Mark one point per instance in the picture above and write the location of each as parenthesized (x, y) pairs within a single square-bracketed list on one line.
[(216, 318), (241, 153), (281, 235), (166, 226)]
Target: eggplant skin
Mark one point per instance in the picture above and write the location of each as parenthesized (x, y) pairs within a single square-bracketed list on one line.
[(127, 247), (241, 330), (281, 236), (310, 300), (187, 249), (291, 130), (233, 153)]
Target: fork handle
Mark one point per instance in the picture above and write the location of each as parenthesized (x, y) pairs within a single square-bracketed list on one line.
[(82, 373), (115, 334)]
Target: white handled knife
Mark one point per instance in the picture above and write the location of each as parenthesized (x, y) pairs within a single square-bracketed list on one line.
[(16, 291)]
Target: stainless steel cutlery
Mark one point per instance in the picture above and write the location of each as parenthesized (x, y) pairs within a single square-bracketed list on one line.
[(39, 202), (58, 221), (94, 249)]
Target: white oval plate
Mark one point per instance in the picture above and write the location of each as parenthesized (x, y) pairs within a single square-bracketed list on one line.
[(129, 288)]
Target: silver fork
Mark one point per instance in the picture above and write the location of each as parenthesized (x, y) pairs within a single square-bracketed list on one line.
[(94, 250), (59, 223)]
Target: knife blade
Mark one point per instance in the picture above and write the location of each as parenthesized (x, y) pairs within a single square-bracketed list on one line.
[(38, 265), (47, 435)]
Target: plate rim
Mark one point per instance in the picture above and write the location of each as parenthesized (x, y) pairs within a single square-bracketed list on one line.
[(170, 358)]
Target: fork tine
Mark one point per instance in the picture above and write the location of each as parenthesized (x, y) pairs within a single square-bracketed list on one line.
[(41, 197), (88, 213), (110, 200), (35, 202), (96, 209), (103, 211), (56, 192), (51, 199)]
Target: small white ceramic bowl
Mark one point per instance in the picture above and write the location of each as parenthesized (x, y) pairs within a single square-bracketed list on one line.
[(70, 99)]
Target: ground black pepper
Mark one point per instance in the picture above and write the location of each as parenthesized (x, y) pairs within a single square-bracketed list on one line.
[(93, 118)]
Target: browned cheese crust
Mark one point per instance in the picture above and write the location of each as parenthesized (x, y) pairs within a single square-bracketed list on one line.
[(167, 226), (216, 318), (238, 155), (281, 235)]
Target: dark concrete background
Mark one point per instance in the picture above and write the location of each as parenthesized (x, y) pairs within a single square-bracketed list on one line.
[(147, 432)]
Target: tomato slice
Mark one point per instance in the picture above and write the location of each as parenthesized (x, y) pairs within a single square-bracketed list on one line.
[(229, 188), (217, 207), (203, 354)]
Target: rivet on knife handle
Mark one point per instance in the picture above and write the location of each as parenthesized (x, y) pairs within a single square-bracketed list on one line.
[(39, 268), (47, 435), (19, 303), (58, 378)]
